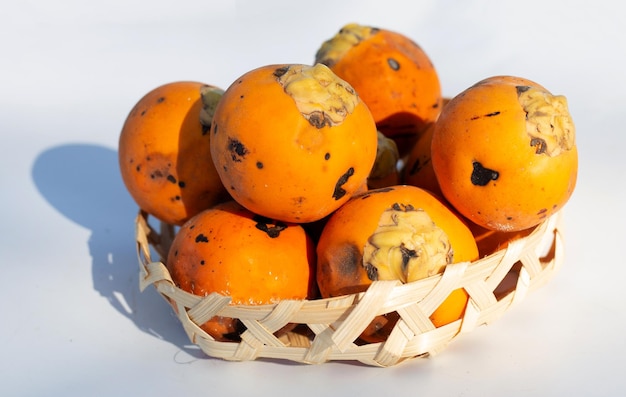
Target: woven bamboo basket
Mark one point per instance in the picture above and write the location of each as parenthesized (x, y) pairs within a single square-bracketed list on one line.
[(329, 329)]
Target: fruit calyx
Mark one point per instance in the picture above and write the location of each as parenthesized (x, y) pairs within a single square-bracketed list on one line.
[(548, 121), (406, 246), (335, 48), (321, 97)]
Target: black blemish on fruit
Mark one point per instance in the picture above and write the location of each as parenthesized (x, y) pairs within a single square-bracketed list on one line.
[(214, 128), (402, 207), (142, 112), (138, 168), (539, 144), (181, 184), (369, 193), (393, 64), (205, 129), (326, 156), (319, 119), (339, 191), (497, 112), (176, 198), (509, 218), (201, 238), (281, 71), (407, 255), (259, 165), (417, 166), (372, 271), (347, 260), (435, 105), (156, 174), (202, 262), (237, 150), (481, 176), (521, 89), (171, 178), (269, 226), (175, 252), (161, 99)]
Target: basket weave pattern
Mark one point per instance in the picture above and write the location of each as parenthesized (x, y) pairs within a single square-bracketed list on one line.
[(495, 284)]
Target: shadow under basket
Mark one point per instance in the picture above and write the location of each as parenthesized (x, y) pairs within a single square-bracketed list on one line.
[(329, 329)]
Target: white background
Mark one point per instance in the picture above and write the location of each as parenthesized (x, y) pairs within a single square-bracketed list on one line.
[(73, 319)]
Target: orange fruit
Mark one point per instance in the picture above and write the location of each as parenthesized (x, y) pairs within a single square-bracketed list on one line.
[(292, 142), (504, 153), (392, 74), (233, 252), (164, 153), (354, 248)]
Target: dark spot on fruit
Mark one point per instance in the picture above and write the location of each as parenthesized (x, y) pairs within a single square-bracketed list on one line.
[(205, 129), (177, 198), (339, 191), (497, 112), (143, 112), (481, 176), (202, 262), (181, 184), (201, 238), (175, 252), (214, 128), (259, 165), (509, 218), (237, 150), (171, 178), (347, 260), (402, 207), (417, 166), (393, 64), (327, 156), (521, 89), (240, 96), (161, 99), (319, 119), (138, 168), (539, 144), (269, 226), (542, 211), (281, 71), (407, 255), (372, 271)]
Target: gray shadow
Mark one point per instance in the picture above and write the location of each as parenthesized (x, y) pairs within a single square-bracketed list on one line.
[(83, 183)]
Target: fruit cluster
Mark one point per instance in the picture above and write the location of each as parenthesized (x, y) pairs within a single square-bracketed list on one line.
[(307, 181)]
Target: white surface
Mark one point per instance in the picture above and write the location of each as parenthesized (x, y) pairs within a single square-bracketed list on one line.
[(73, 320)]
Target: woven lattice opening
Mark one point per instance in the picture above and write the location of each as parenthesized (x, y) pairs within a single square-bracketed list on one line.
[(329, 329)]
